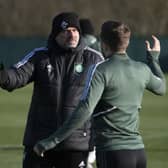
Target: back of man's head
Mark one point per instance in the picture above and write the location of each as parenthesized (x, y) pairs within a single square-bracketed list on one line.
[(116, 35)]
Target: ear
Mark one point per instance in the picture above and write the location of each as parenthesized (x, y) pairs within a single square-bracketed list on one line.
[(105, 49), (104, 46)]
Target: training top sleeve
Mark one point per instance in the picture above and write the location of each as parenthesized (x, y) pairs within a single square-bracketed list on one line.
[(157, 81)]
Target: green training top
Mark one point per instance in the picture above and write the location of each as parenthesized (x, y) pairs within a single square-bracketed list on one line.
[(119, 82)]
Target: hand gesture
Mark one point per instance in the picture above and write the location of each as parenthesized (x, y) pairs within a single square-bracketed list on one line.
[(156, 44), (153, 53)]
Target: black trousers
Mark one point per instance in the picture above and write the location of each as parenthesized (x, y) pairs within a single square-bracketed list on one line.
[(121, 159), (55, 159)]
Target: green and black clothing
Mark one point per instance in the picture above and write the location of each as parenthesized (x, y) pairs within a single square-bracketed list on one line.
[(118, 83)]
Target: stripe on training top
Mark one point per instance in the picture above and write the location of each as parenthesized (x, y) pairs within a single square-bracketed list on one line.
[(27, 57), (89, 79), (104, 112)]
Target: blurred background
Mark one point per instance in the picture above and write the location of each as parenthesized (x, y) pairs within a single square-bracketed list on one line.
[(33, 17), (26, 24)]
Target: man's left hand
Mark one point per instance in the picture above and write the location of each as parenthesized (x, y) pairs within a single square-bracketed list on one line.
[(39, 149)]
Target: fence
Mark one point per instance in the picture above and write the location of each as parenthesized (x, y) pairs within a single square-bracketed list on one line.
[(14, 48)]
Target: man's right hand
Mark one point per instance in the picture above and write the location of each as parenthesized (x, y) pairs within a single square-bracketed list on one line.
[(153, 52), (156, 44)]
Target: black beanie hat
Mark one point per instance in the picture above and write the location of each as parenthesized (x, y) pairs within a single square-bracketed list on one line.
[(63, 21)]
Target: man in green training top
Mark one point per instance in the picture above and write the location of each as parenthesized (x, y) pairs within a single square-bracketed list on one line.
[(114, 92)]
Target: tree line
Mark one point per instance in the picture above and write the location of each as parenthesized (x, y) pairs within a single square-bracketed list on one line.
[(34, 17)]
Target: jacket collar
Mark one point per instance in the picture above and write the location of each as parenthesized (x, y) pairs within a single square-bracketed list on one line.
[(119, 56)]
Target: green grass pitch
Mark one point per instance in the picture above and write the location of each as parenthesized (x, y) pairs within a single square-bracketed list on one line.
[(13, 114)]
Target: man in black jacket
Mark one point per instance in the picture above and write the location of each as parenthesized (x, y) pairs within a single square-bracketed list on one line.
[(59, 74)]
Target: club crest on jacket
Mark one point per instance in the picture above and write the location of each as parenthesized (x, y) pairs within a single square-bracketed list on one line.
[(78, 68)]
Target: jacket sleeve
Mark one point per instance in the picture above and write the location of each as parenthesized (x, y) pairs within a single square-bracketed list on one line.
[(157, 81), (17, 76)]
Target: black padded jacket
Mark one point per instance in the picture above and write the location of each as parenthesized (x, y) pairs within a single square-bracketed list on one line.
[(58, 77)]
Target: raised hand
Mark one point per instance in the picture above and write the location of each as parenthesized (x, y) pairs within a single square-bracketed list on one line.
[(153, 52), (156, 44)]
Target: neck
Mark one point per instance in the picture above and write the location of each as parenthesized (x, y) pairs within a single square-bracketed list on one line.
[(118, 52), (109, 51), (121, 52)]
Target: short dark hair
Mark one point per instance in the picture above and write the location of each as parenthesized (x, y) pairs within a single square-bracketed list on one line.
[(115, 34)]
